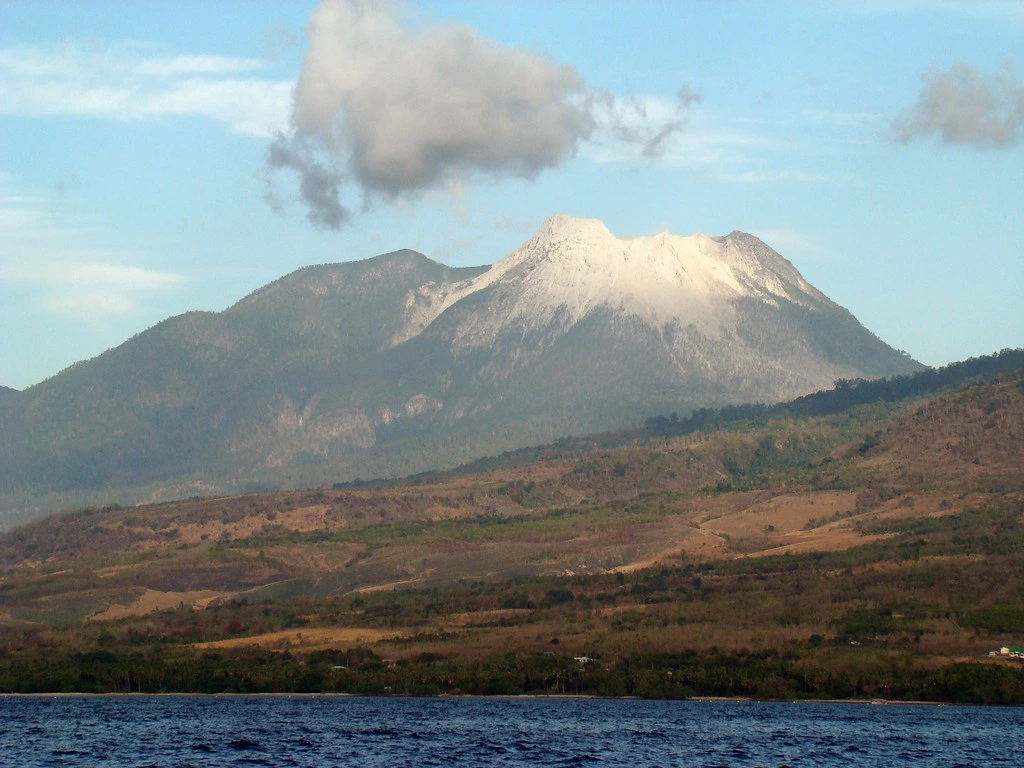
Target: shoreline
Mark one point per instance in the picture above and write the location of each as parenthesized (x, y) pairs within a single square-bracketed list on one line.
[(553, 697)]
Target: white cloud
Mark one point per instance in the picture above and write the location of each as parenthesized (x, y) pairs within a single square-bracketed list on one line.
[(138, 82), (127, 278), (253, 107), (171, 66), (46, 251)]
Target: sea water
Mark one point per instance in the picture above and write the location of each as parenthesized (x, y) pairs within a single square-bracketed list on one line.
[(180, 731)]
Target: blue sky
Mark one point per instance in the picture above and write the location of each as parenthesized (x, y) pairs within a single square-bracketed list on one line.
[(161, 157)]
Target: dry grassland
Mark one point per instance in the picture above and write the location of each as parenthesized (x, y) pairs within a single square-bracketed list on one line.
[(306, 639)]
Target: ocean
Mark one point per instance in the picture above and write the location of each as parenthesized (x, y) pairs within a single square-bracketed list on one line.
[(322, 731)]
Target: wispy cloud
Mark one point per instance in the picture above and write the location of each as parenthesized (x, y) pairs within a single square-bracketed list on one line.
[(133, 81), (641, 128), (707, 145), (90, 290), (49, 252), (718, 152), (770, 175)]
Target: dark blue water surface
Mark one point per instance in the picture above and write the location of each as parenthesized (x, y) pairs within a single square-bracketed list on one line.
[(179, 731)]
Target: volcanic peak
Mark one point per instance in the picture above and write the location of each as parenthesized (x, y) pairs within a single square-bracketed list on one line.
[(572, 266)]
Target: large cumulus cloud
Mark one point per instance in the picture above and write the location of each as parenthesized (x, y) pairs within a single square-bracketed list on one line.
[(965, 106), (383, 111)]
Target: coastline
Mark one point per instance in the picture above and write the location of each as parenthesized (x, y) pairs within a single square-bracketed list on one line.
[(497, 697)]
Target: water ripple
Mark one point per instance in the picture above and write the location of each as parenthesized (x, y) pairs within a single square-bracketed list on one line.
[(349, 732)]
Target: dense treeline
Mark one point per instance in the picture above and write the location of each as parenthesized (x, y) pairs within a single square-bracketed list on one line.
[(846, 394), (763, 674)]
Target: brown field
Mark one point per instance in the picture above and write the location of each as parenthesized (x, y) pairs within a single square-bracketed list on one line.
[(306, 639)]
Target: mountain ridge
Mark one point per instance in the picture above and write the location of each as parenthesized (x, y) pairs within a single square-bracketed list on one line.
[(397, 364)]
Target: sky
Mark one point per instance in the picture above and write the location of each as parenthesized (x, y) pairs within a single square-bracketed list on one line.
[(157, 158)]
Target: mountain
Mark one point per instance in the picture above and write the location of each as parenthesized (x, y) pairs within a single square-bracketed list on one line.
[(397, 364)]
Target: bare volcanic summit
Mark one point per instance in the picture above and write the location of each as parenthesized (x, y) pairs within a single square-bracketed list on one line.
[(398, 364)]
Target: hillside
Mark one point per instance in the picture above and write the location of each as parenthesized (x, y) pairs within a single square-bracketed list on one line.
[(875, 552), (396, 364)]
